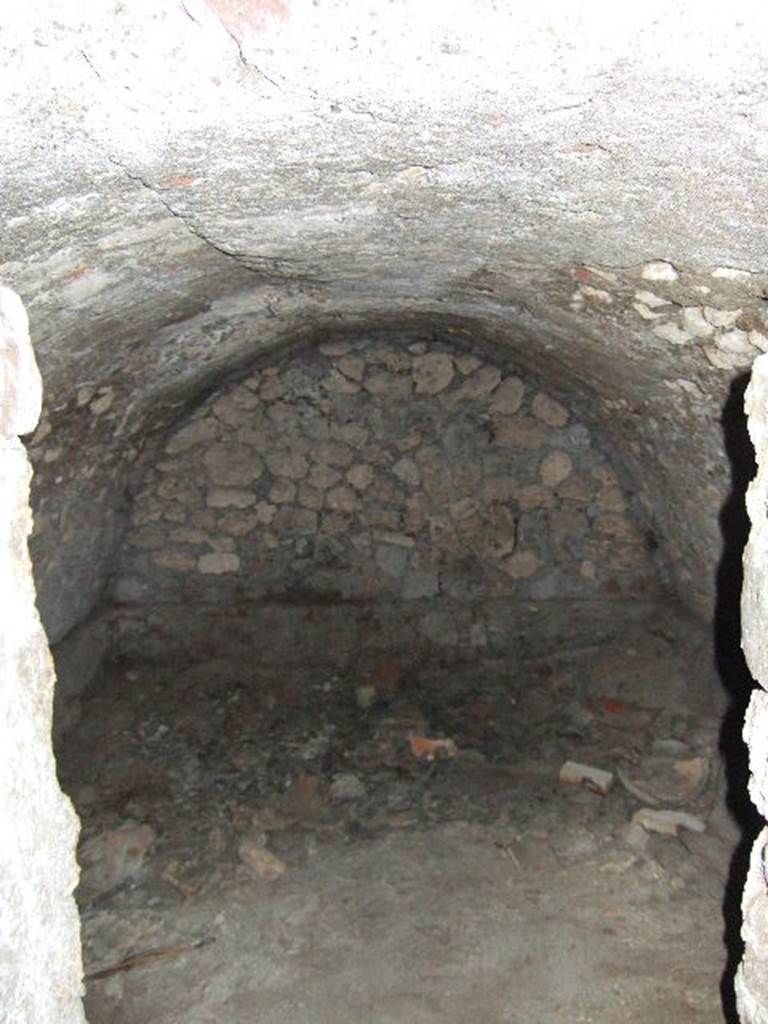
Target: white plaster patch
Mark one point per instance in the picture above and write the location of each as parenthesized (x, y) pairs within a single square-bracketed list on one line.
[(735, 341), (596, 294), (721, 317), (645, 312), (650, 299), (688, 386), (730, 273), (659, 270), (672, 333), (723, 360), (411, 175), (695, 323), (606, 275)]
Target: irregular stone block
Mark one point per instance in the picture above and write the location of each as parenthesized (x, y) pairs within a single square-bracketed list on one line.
[(310, 497), (321, 477), (176, 561), (290, 464), (432, 373), (407, 472), (238, 524), (291, 519), (387, 384), (229, 497), (659, 270), (521, 432), (467, 363), (508, 397), (596, 780), (342, 499), (231, 467), (282, 491), (360, 475), (549, 411), (336, 383), (352, 366), (521, 566), (261, 860), (555, 468), (218, 563), (667, 822), (475, 387)]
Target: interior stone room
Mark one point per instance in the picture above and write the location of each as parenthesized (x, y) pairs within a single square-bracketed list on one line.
[(384, 426)]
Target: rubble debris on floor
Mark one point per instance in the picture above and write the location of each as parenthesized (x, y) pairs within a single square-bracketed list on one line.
[(251, 838)]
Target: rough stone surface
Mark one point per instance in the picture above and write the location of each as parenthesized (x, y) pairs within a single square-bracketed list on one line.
[(40, 966), (476, 509), (751, 983)]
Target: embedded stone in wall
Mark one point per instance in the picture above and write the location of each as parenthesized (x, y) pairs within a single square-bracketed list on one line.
[(432, 373), (216, 563), (479, 385), (508, 397), (555, 468), (176, 561), (232, 466), (521, 566), (519, 432), (229, 497), (549, 411), (360, 476)]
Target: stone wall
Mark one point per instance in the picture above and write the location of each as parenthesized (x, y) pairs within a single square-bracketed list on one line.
[(370, 471), (752, 977), (40, 967)]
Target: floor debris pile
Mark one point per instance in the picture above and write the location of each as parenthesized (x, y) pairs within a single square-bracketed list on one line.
[(226, 809)]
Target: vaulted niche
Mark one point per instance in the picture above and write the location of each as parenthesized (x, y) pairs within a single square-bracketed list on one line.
[(390, 620), (365, 494)]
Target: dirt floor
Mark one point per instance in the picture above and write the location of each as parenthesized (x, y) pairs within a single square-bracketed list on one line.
[(389, 845)]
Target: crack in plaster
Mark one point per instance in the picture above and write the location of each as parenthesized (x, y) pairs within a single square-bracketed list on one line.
[(248, 64), (188, 12), (90, 64), (277, 268)]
